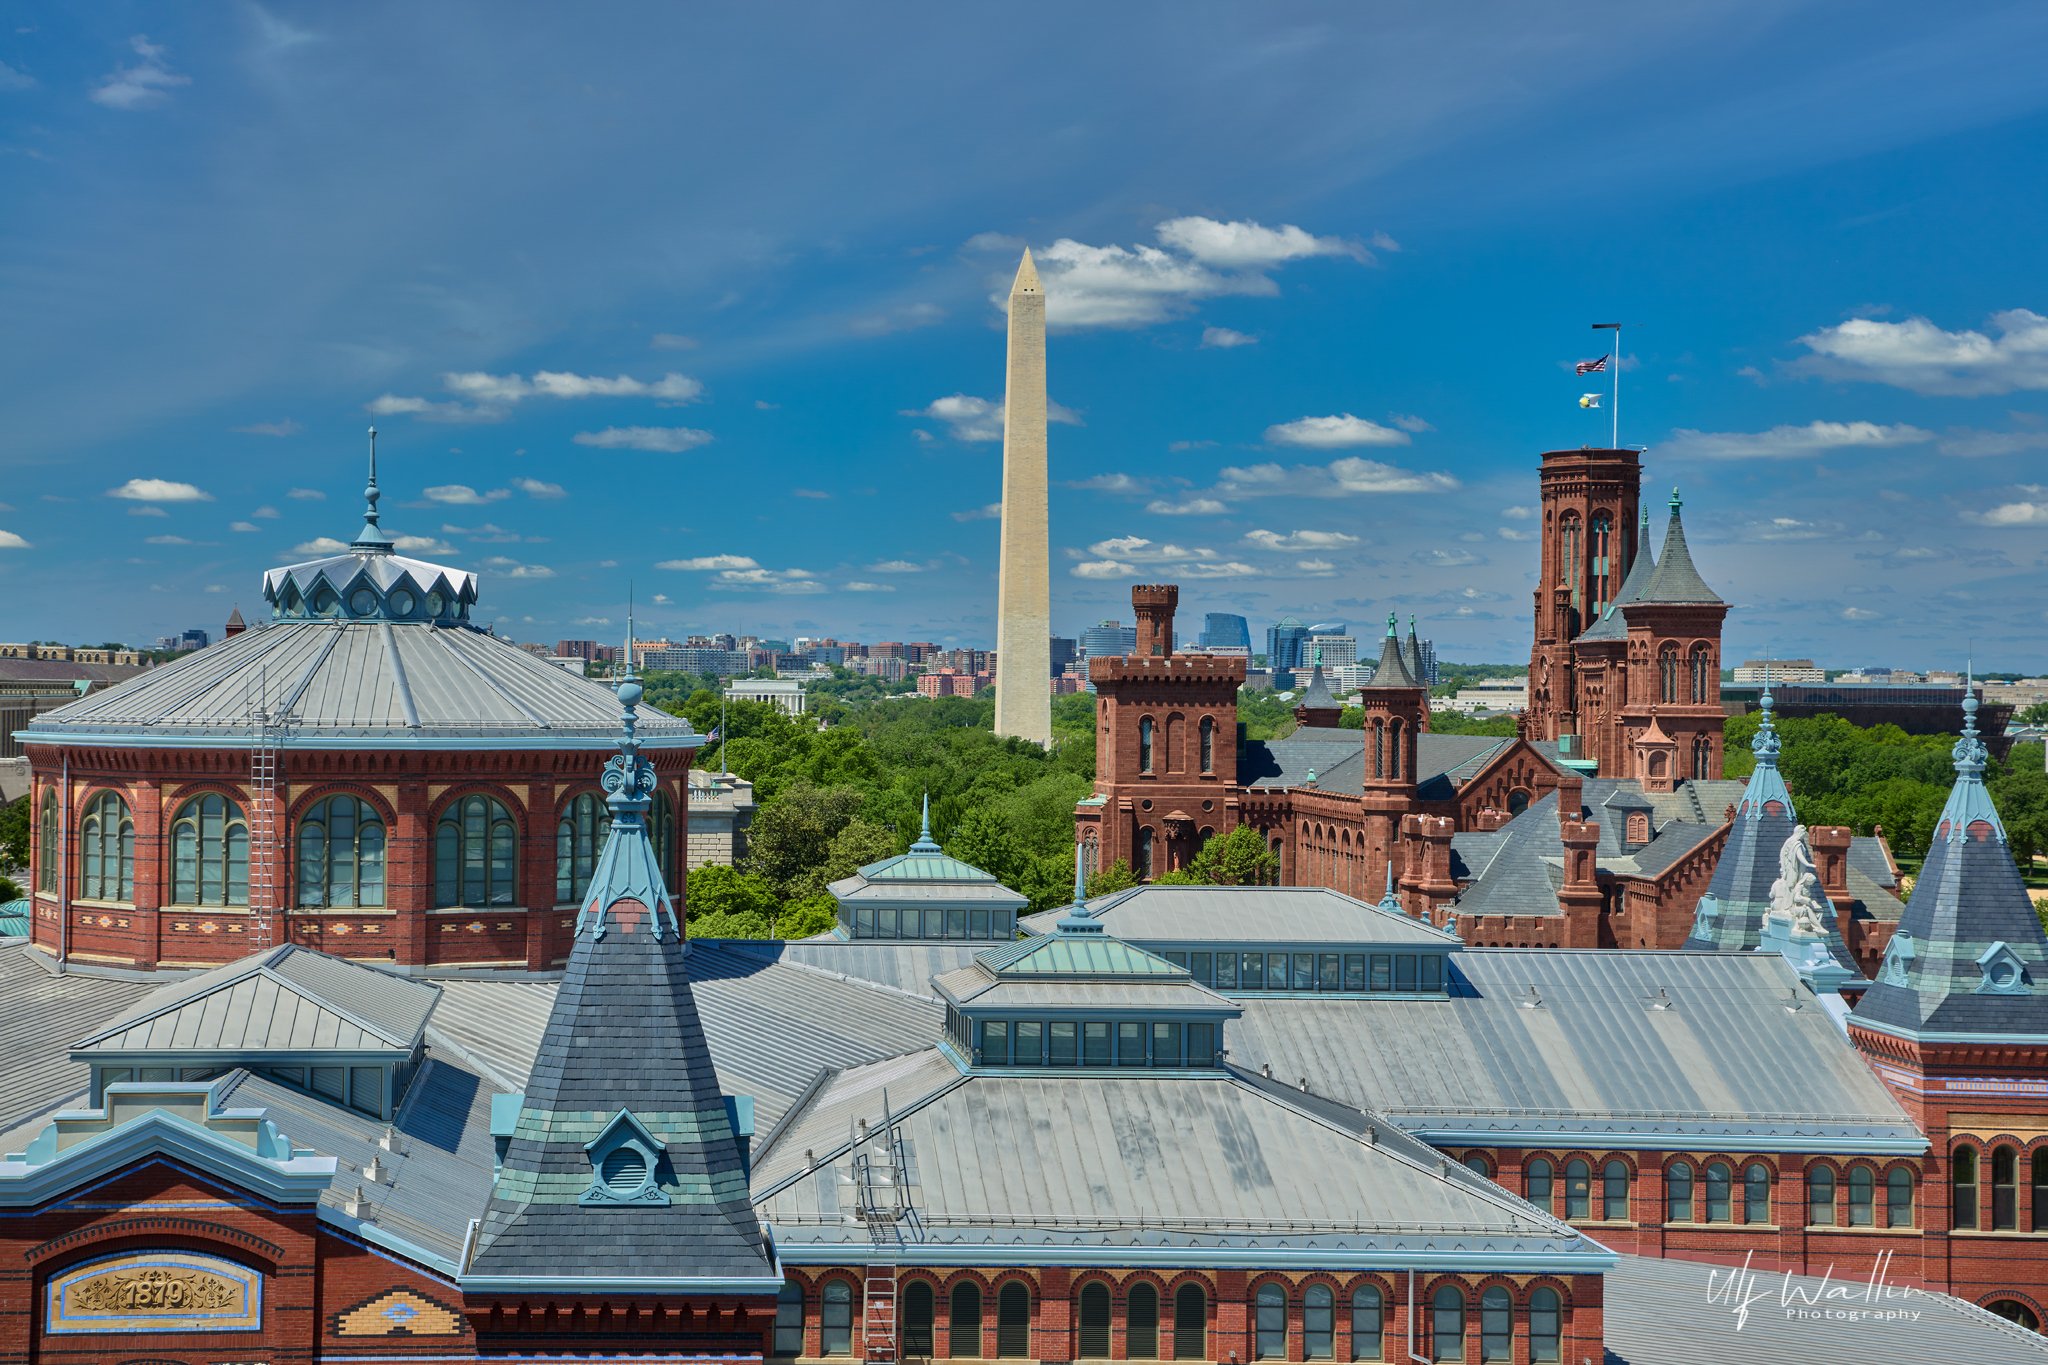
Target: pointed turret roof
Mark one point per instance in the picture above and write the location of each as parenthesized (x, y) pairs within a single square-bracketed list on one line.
[(1318, 696), (1413, 655), (1393, 670), (1612, 625), (624, 1168), (1675, 579), (1969, 961)]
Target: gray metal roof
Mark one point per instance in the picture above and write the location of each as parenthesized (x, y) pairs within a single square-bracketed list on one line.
[(1219, 1166), (1592, 1052), (358, 683), (859, 890), (906, 965), (40, 1013), (1661, 1313), (1195, 915)]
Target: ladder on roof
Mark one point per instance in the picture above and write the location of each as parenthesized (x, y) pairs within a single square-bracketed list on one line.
[(263, 847), (878, 1187)]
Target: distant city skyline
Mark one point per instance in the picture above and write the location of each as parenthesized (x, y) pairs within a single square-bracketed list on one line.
[(1308, 338)]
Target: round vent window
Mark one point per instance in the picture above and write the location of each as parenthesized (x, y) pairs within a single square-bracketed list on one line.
[(324, 601), (436, 604), (623, 1171), (362, 602), (401, 603)]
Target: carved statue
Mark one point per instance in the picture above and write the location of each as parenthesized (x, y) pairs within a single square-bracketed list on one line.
[(1796, 896)]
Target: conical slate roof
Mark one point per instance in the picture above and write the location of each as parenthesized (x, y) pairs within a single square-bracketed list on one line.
[(624, 1164), (1393, 670), (1318, 696), (1675, 579), (1612, 625), (1969, 960), (1413, 655)]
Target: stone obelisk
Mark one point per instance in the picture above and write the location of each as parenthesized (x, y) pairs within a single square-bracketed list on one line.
[(1023, 590)]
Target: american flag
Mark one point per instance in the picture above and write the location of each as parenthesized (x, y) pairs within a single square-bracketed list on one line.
[(1590, 366)]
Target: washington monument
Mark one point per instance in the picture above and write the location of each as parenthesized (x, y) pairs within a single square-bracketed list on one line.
[(1023, 590)]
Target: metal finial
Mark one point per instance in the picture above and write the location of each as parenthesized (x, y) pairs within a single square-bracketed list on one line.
[(1080, 894), (925, 824), (370, 493), (1676, 501), (1393, 625)]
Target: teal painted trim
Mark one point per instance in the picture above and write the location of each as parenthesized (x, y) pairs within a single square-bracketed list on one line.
[(298, 1180), (246, 1056), (571, 1284), (1931, 1036), (1122, 1073), (389, 1241), (515, 739), (1595, 1259), (1668, 1141)]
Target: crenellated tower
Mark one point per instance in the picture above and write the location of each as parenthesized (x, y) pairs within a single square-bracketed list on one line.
[(1588, 501)]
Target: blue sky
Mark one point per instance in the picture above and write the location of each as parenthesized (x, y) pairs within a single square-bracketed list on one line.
[(706, 298)]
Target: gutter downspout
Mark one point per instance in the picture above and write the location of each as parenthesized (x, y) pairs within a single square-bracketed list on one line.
[(64, 871), (1412, 1353)]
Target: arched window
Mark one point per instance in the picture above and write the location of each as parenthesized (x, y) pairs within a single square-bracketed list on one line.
[(917, 1318), (106, 850), (1190, 1323), (1756, 1193), (789, 1320), (1705, 686), (209, 853), (46, 844), (2012, 1310), (664, 835), (1702, 758), (1518, 801), (1578, 1189), (1270, 1323), (579, 836), (1208, 744), (966, 1318), (1379, 748), (2005, 1188), (341, 854), (2040, 1190), (1176, 744), (475, 854), (1144, 744), (1496, 1324), (1144, 868), (1318, 1323), (1477, 1162), (1614, 1191), (1095, 1321), (1141, 1323), (1962, 1180), (1368, 1323), (835, 1320), (1546, 1325), (1013, 1321), (1898, 1195), (1667, 673), (1569, 548), (1604, 567), (1540, 1178), (1447, 1323), (1862, 1189), (1820, 1197), (1395, 735), (1678, 1201), (1720, 1192)]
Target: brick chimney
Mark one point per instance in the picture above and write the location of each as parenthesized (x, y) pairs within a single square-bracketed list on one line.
[(1154, 604), (1579, 897), (1830, 844)]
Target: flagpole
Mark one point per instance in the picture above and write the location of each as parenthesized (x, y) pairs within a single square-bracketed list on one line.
[(1616, 438)]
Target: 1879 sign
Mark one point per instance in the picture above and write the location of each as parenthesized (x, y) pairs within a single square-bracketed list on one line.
[(166, 1291)]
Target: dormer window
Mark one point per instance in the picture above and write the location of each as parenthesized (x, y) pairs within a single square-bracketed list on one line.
[(2003, 972), (625, 1161), (1897, 969), (1638, 827)]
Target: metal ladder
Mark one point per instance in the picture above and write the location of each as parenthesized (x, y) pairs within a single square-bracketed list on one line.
[(878, 1185), (263, 848)]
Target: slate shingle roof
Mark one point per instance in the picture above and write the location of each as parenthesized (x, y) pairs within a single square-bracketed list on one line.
[(1675, 580)]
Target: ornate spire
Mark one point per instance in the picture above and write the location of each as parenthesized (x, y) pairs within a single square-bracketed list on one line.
[(628, 869), (1393, 670), (1077, 920), (925, 843), (372, 537), (1391, 901), (1969, 801), (1766, 783)]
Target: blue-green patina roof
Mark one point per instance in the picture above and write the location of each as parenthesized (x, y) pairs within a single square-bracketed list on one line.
[(14, 918), (920, 866), (1059, 954)]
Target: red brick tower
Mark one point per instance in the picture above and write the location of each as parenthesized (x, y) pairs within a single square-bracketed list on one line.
[(1671, 721), (1165, 747), (1589, 500), (1395, 703)]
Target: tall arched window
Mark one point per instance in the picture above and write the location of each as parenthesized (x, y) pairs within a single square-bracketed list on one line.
[(1447, 1323), (579, 836), (1705, 686), (1141, 1323), (1962, 1180), (1190, 1323), (1176, 743), (106, 850), (1820, 1197), (1208, 744), (1318, 1323), (1667, 673), (1379, 748), (1269, 1319), (966, 1320), (341, 854), (46, 844), (1603, 561), (1496, 1324), (1578, 1189), (1702, 757), (1756, 1193), (1862, 1196), (664, 835), (1144, 744), (1368, 1323), (917, 1319), (1898, 1195), (475, 854), (1614, 1191), (2005, 1188), (2040, 1190), (1396, 734), (1540, 1180), (1013, 1321), (835, 1320), (789, 1320), (1678, 1199), (1720, 1192), (1144, 868), (209, 853), (1094, 1321), (1569, 549), (1546, 1325)]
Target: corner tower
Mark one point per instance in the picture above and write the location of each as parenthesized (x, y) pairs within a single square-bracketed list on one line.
[(1588, 501), (1672, 720), (1023, 588), (1396, 704)]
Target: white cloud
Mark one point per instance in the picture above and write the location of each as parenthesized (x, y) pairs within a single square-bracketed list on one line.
[(1246, 245), (421, 545), (662, 599), (143, 85), (1408, 421), (1112, 483), (512, 568), (968, 418), (671, 387), (789, 581), (1299, 540), (592, 621), (814, 494), (490, 533), (244, 526), (284, 428), (1861, 614), (1119, 554), (661, 440), (159, 490), (1187, 507), (11, 541), (1918, 356), (462, 495), (265, 514), (1334, 433), (1518, 513), (1969, 444), (986, 512), (1354, 475), (1103, 568), (307, 495), (1516, 533), (2012, 514), (1182, 447), (1315, 566), (1139, 550), (895, 566), (484, 397), (1446, 559), (320, 545), (536, 488), (1789, 442), (859, 585), (166, 540), (706, 563), (1224, 338)]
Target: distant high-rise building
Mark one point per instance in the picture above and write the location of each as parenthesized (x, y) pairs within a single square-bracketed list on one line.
[(1064, 652), (1286, 641), (1332, 650), (1226, 629), (1108, 640), (1779, 671)]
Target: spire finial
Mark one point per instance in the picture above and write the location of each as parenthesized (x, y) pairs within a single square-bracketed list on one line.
[(372, 536), (1319, 656), (1676, 501), (925, 825), (1766, 744), (1080, 879), (1393, 624), (629, 628)]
